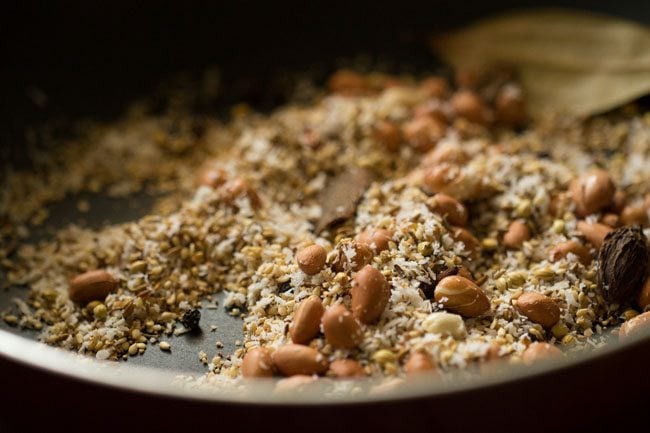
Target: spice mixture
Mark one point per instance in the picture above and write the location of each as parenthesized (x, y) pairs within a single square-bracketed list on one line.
[(390, 227)]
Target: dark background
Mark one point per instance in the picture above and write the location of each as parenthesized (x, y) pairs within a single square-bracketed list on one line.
[(91, 58)]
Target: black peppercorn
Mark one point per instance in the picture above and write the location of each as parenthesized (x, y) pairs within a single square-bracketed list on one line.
[(191, 319), (284, 286)]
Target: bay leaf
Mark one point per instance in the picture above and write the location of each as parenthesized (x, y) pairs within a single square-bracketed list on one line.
[(341, 196), (571, 62)]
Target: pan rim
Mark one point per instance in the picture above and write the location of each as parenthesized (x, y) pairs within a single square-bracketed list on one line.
[(160, 383)]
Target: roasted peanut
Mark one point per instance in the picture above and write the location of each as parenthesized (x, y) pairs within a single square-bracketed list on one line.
[(462, 296), (634, 326), (384, 81), (235, 188), (375, 239), (433, 108), (592, 192), (306, 320), (424, 133), (561, 250), (294, 359), (594, 232), (610, 219), (388, 134), (346, 368), (538, 308), (341, 329), (257, 363), (435, 87), (469, 105), (619, 201), (634, 215), (419, 363), (518, 233), (448, 153), (540, 352), (444, 177), (342, 262), (91, 286), (461, 235), (311, 259), (510, 106), (347, 83), (449, 208), (493, 353), (452, 180), (370, 294)]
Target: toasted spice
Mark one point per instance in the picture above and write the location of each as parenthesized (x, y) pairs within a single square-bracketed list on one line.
[(624, 259), (340, 197), (386, 244), (191, 319)]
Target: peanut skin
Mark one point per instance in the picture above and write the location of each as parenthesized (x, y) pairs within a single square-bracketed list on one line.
[(370, 295), (91, 286), (306, 321), (539, 309), (462, 296), (296, 359)]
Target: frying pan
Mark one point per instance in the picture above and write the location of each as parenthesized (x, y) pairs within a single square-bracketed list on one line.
[(91, 59)]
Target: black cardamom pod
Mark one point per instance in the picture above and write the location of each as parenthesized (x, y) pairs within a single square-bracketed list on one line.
[(624, 260)]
